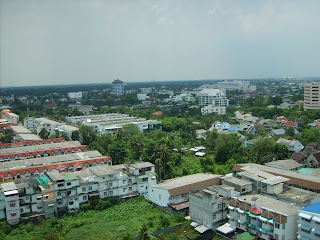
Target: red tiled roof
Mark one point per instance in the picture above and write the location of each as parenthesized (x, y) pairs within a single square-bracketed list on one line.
[(157, 113), (51, 167), (256, 211), (290, 124), (42, 152), (179, 206), (27, 143)]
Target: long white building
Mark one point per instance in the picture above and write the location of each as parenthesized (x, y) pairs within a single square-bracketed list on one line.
[(58, 193), (212, 97)]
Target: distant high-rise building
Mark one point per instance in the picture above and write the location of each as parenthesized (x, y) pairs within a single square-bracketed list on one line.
[(312, 96), (118, 87)]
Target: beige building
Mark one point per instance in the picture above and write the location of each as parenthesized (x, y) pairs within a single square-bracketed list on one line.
[(312, 96)]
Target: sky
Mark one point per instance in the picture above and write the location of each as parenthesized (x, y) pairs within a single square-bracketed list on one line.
[(46, 42)]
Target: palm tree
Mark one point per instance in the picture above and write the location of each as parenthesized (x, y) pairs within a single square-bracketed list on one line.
[(161, 155), (143, 233)]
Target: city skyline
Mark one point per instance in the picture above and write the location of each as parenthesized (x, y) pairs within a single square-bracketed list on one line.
[(79, 42)]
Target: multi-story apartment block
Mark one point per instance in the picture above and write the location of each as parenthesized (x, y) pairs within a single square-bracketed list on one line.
[(213, 109), (212, 97), (264, 216), (237, 85), (9, 116), (312, 96), (209, 206), (57, 193), (118, 87), (309, 222)]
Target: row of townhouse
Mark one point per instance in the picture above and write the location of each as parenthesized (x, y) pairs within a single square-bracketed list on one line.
[(42, 150), (37, 167), (57, 193), (31, 143)]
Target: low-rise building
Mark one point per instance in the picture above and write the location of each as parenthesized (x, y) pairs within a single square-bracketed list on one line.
[(175, 191), (213, 109), (309, 222), (292, 145)]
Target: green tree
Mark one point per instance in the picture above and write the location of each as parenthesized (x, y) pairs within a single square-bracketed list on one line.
[(87, 134), (75, 135), (44, 134), (117, 151), (143, 233), (262, 148), (228, 146)]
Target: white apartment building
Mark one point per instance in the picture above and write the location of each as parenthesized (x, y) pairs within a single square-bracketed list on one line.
[(30, 123), (264, 217), (237, 85), (175, 191), (58, 193), (111, 123), (9, 116), (309, 222), (209, 206), (312, 96), (212, 97), (118, 87), (75, 95), (213, 109)]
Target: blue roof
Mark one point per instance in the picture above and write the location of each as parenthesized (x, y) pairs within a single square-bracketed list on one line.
[(233, 129), (315, 208)]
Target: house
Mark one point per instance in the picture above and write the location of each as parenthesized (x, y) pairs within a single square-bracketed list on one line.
[(309, 222), (292, 145), (282, 119), (201, 133), (176, 191), (277, 132), (289, 124), (221, 125), (270, 123), (288, 164), (313, 160)]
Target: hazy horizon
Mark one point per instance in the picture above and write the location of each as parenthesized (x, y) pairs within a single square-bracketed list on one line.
[(46, 42)]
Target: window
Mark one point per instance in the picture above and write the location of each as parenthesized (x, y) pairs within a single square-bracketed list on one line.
[(283, 226), (59, 203), (69, 184), (219, 206), (84, 189), (110, 193), (110, 184), (124, 189), (130, 181), (12, 205), (124, 181), (39, 197), (21, 210), (59, 194), (90, 188), (159, 196), (105, 194), (13, 214), (130, 188), (307, 220), (68, 193), (39, 206), (214, 216), (84, 198), (276, 225), (60, 184), (243, 189)]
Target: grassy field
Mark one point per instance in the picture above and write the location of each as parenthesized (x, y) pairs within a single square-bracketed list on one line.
[(122, 221)]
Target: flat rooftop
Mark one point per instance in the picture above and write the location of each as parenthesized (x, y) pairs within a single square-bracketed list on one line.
[(270, 204), (237, 181), (102, 170), (28, 137), (298, 195), (19, 129)]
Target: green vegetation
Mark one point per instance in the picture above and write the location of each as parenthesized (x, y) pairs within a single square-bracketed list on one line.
[(121, 221)]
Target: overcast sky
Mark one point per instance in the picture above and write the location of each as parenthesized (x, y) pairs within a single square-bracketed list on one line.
[(44, 42)]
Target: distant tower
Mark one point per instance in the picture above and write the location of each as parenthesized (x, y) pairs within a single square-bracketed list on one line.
[(118, 87)]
